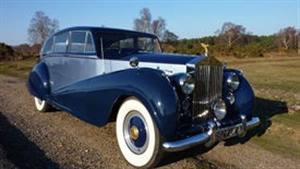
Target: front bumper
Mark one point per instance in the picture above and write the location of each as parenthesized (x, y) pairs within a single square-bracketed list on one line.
[(212, 134)]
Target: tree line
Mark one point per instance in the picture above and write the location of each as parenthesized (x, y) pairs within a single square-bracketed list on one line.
[(233, 40), (230, 40)]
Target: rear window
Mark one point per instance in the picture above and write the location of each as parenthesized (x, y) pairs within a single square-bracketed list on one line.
[(48, 46), (60, 44)]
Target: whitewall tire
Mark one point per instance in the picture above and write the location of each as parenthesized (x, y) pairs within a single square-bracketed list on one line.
[(41, 105), (137, 134)]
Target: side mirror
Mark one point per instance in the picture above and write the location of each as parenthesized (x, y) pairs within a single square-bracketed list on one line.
[(134, 62)]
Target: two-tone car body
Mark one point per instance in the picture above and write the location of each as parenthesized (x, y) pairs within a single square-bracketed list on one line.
[(161, 102)]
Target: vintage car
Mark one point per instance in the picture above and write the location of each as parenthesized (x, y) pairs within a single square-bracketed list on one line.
[(161, 102)]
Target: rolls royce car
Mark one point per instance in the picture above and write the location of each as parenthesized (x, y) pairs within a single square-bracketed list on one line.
[(161, 102)]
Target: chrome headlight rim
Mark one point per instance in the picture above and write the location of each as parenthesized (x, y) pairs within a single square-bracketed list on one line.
[(187, 84), (219, 109), (233, 81)]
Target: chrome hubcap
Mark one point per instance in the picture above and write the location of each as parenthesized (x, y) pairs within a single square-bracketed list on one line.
[(135, 131)]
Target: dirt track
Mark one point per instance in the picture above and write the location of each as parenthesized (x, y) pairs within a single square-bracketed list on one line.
[(29, 139)]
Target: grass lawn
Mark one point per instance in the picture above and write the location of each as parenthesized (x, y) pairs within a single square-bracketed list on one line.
[(17, 68), (276, 82)]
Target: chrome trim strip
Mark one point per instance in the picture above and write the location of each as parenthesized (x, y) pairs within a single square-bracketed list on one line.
[(204, 137)]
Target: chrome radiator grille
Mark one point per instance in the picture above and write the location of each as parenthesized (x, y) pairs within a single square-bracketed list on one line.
[(208, 89)]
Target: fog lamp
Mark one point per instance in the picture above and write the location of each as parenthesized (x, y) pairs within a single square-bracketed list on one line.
[(230, 98)]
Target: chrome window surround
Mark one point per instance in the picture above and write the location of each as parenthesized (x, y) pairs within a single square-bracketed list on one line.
[(87, 33)]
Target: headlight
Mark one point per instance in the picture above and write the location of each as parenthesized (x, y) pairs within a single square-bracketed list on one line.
[(233, 81), (187, 84), (219, 109)]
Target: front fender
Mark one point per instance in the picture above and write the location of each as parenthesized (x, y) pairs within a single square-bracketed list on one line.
[(92, 99), (155, 91), (244, 95)]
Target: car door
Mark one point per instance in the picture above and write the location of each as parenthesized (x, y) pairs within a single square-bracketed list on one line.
[(76, 66), (83, 62), (74, 59)]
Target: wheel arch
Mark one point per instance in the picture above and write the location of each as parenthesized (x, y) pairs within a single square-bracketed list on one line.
[(116, 106)]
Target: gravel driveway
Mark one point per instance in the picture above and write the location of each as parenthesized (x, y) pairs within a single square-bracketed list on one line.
[(29, 139)]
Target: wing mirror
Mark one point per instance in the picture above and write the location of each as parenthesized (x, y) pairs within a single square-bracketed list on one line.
[(134, 62)]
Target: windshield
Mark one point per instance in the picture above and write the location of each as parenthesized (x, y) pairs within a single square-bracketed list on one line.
[(120, 45)]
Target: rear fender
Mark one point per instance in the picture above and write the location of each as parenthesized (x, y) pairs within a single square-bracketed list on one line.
[(38, 81)]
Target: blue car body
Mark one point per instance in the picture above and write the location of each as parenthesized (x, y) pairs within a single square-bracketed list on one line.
[(92, 85)]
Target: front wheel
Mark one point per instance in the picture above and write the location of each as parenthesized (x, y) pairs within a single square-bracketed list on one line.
[(41, 105), (137, 135)]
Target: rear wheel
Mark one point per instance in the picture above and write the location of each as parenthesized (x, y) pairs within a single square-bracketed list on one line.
[(41, 105), (137, 135)]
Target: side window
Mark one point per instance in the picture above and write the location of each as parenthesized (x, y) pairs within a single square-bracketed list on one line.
[(127, 43), (48, 46), (81, 42), (60, 44), (123, 43), (89, 47), (77, 42)]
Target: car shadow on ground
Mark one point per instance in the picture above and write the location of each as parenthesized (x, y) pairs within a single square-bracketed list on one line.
[(192, 154), (19, 150), (264, 108)]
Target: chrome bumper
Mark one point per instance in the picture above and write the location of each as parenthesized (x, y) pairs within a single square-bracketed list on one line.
[(210, 135)]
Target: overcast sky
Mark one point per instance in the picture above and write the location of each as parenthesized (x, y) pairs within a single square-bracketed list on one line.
[(187, 19)]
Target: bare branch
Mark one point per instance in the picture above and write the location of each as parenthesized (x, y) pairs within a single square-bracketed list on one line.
[(41, 27)]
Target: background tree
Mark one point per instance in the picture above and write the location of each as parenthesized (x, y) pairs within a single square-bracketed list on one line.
[(145, 24), (158, 27), (230, 33), (41, 27), (298, 42), (170, 36), (287, 38)]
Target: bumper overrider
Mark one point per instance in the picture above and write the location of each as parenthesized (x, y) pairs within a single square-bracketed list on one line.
[(213, 134)]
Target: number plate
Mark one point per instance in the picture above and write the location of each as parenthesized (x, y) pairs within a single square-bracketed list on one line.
[(228, 132)]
